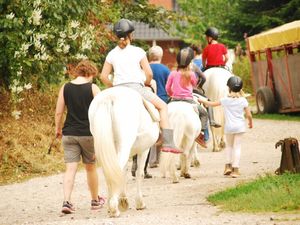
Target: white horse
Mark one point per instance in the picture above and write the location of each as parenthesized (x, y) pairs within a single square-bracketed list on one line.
[(185, 122), (216, 88), (121, 127)]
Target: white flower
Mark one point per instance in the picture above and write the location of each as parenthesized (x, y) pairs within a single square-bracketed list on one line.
[(19, 89), (29, 32), (74, 36), (62, 34), (80, 56), (91, 27), (24, 48), (36, 16), (37, 56), (74, 24), (28, 86), (44, 56), (41, 36), (10, 16), (36, 3), (16, 114), (20, 100), (37, 44), (66, 48), (86, 44), (17, 54)]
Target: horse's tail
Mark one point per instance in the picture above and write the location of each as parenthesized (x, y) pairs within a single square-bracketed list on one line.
[(105, 149)]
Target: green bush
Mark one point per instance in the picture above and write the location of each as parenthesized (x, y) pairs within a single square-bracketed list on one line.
[(241, 67)]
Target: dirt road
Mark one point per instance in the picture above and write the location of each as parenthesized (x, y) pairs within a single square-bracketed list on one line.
[(38, 201)]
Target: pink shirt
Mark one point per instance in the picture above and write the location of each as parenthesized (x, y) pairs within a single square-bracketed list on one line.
[(176, 90)]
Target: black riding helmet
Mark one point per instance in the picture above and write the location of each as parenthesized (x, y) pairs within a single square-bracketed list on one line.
[(212, 32), (123, 27), (235, 83), (184, 57)]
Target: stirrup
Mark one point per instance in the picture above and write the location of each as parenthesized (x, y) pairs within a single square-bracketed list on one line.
[(172, 150)]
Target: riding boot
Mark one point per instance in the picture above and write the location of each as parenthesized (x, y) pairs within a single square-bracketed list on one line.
[(168, 142), (212, 121), (200, 140)]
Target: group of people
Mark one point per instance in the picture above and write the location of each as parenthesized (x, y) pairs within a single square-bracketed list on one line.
[(131, 68)]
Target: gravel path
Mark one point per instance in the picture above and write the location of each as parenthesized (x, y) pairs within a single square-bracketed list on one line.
[(38, 201)]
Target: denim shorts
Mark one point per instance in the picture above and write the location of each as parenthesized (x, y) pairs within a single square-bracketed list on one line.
[(76, 147)]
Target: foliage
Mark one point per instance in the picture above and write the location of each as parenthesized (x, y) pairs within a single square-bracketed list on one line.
[(266, 194), (254, 16), (42, 37), (241, 68)]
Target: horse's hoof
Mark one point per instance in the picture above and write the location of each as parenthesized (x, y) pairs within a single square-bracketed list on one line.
[(187, 176), (114, 213), (196, 163), (222, 145), (140, 205), (123, 204), (176, 180)]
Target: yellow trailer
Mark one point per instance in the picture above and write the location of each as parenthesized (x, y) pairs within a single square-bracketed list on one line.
[(275, 68)]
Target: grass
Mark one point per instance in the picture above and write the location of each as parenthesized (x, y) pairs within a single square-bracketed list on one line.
[(266, 194), (24, 143), (285, 117)]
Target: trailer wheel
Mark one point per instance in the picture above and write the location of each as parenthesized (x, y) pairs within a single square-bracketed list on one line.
[(265, 101)]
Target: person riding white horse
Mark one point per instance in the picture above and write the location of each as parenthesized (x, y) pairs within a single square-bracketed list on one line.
[(130, 66)]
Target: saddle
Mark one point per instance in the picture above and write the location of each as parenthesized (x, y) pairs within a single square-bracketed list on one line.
[(290, 158)]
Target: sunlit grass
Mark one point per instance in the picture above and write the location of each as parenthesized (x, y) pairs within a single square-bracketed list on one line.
[(266, 194), (285, 117)]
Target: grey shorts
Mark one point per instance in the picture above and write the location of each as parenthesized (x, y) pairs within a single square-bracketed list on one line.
[(78, 146), (147, 94)]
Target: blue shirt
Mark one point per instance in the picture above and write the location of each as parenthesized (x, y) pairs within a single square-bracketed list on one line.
[(160, 75)]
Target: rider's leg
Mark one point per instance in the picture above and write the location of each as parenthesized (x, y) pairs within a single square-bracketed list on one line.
[(167, 133), (203, 118), (211, 118)]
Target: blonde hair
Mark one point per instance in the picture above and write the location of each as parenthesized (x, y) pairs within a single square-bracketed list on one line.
[(238, 94), (85, 68), (186, 76), (155, 53)]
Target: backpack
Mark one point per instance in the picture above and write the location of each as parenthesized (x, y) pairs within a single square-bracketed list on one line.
[(290, 157)]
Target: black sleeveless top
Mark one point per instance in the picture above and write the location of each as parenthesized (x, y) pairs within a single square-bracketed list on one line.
[(77, 99)]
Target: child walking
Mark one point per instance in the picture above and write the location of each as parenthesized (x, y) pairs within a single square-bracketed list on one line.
[(235, 106), (180, 86), (131, 69), (77, 139)]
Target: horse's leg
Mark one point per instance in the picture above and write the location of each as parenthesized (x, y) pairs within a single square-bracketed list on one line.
[(173, 167), (215, 140), (123, 200), (140, 204), (196, 158)]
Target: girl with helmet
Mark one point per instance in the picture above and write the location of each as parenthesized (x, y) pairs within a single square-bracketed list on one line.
[(180, 86), (235, 106), (214, 54), (131, 68)]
